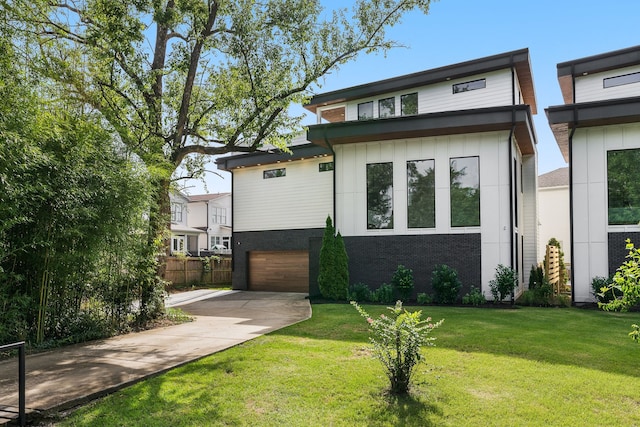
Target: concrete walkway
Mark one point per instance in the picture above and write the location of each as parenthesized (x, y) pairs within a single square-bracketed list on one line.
[(66, 377)]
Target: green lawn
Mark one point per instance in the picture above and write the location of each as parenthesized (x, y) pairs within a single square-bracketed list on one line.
[(491, 367)]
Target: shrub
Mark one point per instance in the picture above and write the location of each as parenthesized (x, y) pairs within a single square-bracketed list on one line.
[(424, 298), (536, 277), (333, 275), (397, 340), (474, 297), (602, 290), (359, 292), (504, 283), (383, 294), (402, 282), (446, 285)]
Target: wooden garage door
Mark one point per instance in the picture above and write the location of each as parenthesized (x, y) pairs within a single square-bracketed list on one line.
[(279, 271)]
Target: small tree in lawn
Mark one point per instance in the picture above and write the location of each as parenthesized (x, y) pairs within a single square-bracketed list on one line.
[(333, 275), (626, 287), (504, 283), (397, 340)]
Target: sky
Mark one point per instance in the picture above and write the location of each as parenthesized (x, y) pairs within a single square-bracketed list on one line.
[(455, 31)]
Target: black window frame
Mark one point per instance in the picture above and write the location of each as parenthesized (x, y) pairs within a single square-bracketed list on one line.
[(453, 214), (274, 173), (325, 167), (412, 221), (393, 107), (402, 104), (389, 220), (363, 104), (621, 80), (469, 86)]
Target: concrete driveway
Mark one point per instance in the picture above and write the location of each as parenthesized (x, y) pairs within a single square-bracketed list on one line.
[(70, 376)]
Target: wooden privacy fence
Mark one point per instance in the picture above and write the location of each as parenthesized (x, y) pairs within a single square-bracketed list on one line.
[(552, 267), (197, 271)]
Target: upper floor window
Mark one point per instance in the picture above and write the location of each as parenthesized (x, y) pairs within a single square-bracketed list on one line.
[(274, 173), (409, 104), (379, 196), (365, 110), (621, 80), (176, 212), (325, 167), (623, 187), (464, 173), (421, 194), (218, 215), (467, 86), (387, 107)]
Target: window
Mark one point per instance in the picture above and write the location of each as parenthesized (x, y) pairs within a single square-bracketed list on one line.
[(365, 110), (623, 187), (325, 167), (467, 86), (621, 80), (421, 194), (409, 104), (215, 240), (218, 215), (177, 244), (226, 242), (274, 173), (387, 107), (379, 196), (465, 191), (176, 212)]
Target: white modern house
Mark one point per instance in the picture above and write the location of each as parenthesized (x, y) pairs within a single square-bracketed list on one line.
[(598, 132), (184, 237), (435, 167), (212, 214), (554, 212)]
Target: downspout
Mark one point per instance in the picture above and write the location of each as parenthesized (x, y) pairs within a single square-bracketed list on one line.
[(573, 131), (511, 171), (333, 153)]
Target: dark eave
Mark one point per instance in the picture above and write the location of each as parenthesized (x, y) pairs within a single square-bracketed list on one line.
[(517, 58), (568, 71), (433, 124), (563, 118), (298, 152)]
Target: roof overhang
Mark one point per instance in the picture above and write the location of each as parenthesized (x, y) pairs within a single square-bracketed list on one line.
[(491, 119), (298, 152), (568, 71), (564, 118), (518, 59), (176, 228)]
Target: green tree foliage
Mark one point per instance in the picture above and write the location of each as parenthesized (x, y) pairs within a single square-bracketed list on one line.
[(72, 208), (625, 286), (402, 282), (178, 80), (333, 277)]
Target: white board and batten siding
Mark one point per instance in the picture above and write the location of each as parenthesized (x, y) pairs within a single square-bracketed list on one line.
[(590, 219), (440, 97), (591, 87), (302, 199), (493, 152)]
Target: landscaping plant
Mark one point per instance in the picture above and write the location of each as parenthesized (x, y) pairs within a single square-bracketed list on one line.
[(446, 284), (424, 298), (402, 282), (474, 297), (397, 340), (333, 277), (626, 281), (359, 292), (383, 294), (504, 283)]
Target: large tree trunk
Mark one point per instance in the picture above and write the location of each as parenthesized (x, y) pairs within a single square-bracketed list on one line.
[(158, 246)]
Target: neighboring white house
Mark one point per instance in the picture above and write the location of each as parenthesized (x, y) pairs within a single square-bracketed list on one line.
[(598, 132), (553, 212), (184, 238), (212, 213), (436, 167)]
